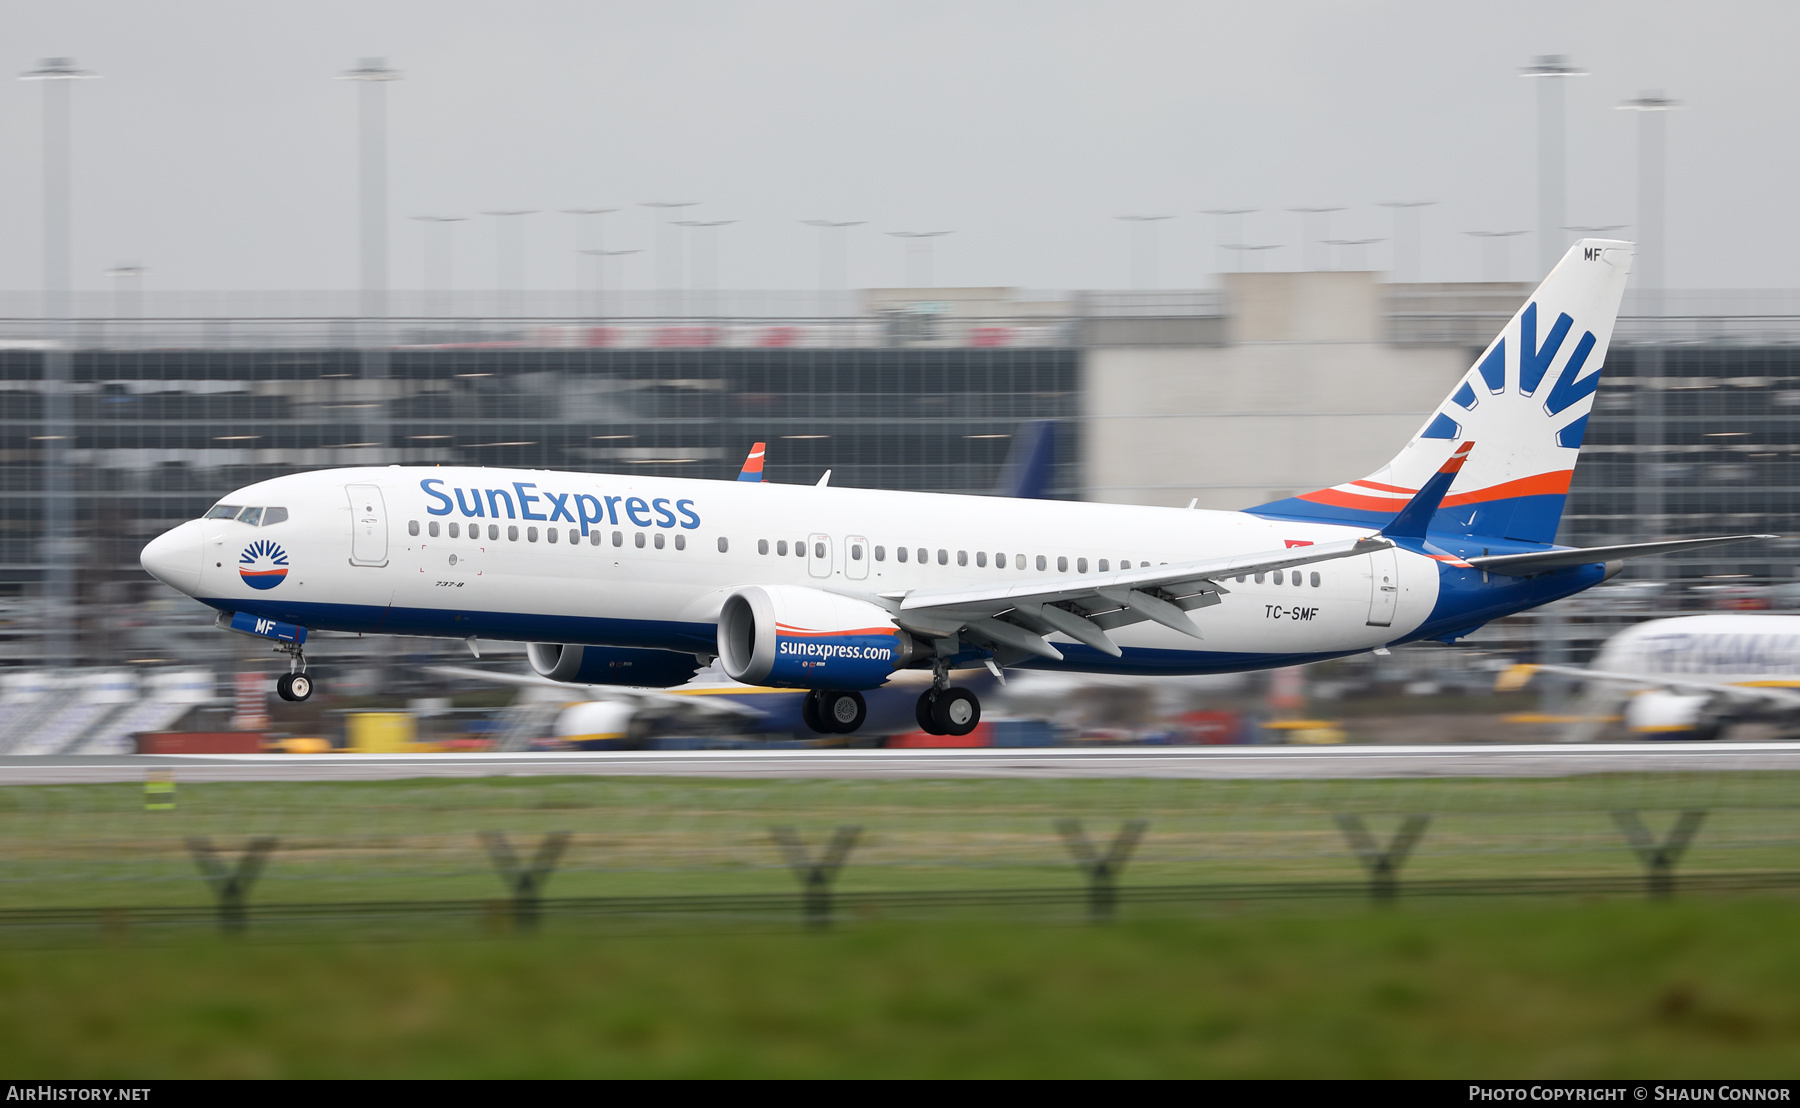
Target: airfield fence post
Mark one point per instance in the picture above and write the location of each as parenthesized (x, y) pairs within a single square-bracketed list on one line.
[(1383, 865), (816, 877), (1659, 859), (1102, 869), (526, 882), (231, 886)]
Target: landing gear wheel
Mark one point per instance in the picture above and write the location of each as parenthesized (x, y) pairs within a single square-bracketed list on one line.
[(293, 687), (956, 712), (810, 714), (842, 712), (922, 712)]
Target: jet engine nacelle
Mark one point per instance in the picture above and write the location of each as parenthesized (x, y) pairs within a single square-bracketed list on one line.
[(802, 638), (1659, 712), (611, 665)]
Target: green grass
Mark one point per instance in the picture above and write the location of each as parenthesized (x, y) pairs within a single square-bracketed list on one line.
[(1611, 988), (72, 846)]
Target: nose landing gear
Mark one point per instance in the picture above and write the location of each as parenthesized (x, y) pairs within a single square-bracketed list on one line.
[(294, 685)]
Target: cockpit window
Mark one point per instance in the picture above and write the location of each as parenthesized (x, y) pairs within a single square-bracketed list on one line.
[(223, 511), (272, 516), (252, 516)]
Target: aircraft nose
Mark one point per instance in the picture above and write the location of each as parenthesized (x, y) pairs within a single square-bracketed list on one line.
[(173, 557)]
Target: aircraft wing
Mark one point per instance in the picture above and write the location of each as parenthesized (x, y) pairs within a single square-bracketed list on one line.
[(1085, 607), (1780, 694), (702, 705)]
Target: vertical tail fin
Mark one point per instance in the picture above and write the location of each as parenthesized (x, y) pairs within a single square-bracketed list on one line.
[(1526, 399)]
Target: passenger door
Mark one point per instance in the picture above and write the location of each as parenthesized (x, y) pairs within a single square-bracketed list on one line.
[(818, 555), (856, 557), (368, 526), (1384, 587)]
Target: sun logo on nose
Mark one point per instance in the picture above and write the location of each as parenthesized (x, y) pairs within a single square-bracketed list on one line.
[(263, 564)]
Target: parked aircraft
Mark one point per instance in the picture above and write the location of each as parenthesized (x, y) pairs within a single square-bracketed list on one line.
[(640, 580)]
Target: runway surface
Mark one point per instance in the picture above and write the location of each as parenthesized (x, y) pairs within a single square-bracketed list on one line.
[(1216, 762)]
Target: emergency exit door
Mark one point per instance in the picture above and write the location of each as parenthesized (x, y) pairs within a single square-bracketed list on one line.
[(1384, 587)]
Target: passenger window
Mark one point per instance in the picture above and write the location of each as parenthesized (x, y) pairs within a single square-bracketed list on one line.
[(724, 544), (943, 556), (1041, 563), (618, 538), (1103, 565), (962, 557), (1062, 565), (1315, 580), (999, 561), (1018, 561), (550, 534), (272, 516), (223, 511), (432, 528), (924, 555), (781, 547), (659, 540), (681, 542), (455, 531), (1259, 578), (1240, 578), (531, 534), (881, 553), (574, 536), (800, 548), (762, 546), (856, 551), (594, 538), (252, 516), (1296, 579), (639, 540), (900, 553), (981, 559), (1081, 565), (512, 533), (818, 550), (493, 532), (1277, 576), (412, 528)]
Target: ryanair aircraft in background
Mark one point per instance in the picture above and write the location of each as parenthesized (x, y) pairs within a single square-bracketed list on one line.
[(632, 580)]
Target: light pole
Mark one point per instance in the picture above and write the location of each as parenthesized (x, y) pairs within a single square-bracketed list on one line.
[(1308, 218), (600, 257), (1221, 227), (58, 552), (1496, 254), (1356, 245), (439, 275), (668, 253), (834, 256), (1143, 248), (1255, 250), (1652, 109), (703, 268), (918, 255), (1550, 70), (509, 248), (373, 73), (1407, 247), (128, 292), (580, 246)]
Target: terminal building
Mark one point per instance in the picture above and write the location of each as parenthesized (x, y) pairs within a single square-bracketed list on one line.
[(1272, 384)]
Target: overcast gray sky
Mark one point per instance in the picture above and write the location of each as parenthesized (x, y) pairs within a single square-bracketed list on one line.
[(218, 151)]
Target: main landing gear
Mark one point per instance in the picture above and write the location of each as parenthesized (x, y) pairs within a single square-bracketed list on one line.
[(833, 713), (294, 685), (948, 711)]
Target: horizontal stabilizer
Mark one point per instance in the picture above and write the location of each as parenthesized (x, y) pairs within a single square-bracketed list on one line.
[(1542, 561)]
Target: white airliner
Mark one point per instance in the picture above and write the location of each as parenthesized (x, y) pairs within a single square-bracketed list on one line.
[(639, 580), (1694, 674)]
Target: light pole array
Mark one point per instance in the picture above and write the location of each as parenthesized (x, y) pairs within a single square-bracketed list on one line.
[(1308, 218), (59, 553), (668, 252), (703, 267), (581, 246), (1222, 230), (373, 75), (834, 257), (919, 247), (1496, 254), (600, 257), (1408, 262), (509, 256), (1652, 108), (439, 274)]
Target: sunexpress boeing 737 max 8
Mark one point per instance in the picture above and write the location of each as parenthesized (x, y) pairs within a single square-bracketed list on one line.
[(638, 580)]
